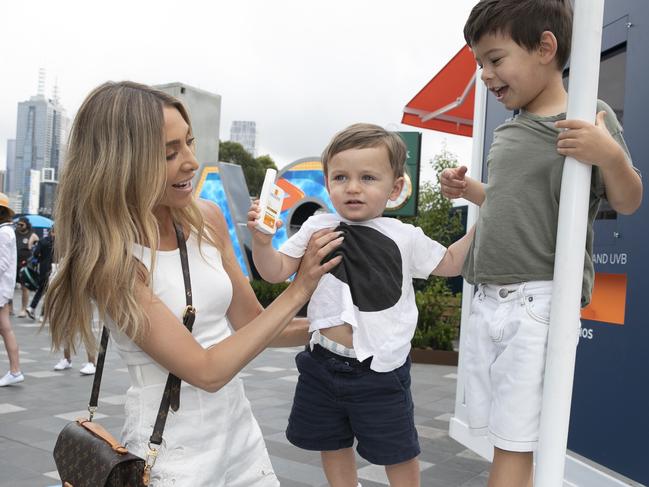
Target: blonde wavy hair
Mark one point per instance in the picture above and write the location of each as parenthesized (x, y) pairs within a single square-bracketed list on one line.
[(113, 178)]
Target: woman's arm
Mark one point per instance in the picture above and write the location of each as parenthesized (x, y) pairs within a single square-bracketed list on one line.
[(173, 347), (245, 306), (295, 334)]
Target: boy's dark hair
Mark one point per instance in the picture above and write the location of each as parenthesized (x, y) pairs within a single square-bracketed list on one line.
[(524, 21), (366, 135)]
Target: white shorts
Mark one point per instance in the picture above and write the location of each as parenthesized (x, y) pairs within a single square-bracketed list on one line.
[(504, 361)]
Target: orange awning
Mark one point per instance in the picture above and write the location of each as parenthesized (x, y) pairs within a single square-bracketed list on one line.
[(445, 104)]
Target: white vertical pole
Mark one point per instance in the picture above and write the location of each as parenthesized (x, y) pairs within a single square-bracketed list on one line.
[(458, 426), (569, 257)]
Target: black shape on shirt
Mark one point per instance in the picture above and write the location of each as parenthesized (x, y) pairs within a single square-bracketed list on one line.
[(371, 266)]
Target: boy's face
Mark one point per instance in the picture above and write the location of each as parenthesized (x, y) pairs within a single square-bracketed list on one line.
[(516, 76), (360, 182)]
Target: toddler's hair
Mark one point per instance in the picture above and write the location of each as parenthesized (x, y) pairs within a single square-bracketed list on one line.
[(366, 135)]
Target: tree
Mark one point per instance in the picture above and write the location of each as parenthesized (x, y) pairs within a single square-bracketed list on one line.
[(253, 169), (266, 162), (434, 211)]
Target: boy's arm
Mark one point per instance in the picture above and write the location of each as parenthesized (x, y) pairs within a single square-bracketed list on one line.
[(273, 266), (453, 260), (593, 144), (456, 184)]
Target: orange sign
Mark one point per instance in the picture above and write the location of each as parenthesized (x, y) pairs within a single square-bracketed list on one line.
[(608, 302)]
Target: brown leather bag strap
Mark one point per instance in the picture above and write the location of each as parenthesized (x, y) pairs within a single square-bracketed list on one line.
[(171, 395), (96, 382)]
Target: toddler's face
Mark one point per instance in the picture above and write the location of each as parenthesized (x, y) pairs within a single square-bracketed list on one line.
[(361, 181)]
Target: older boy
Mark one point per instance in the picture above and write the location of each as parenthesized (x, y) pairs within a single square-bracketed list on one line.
[(521, 47), (355, 375)]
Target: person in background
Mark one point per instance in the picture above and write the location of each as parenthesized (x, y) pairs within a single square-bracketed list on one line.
[(44, 254), (87, 368), (8, 263), (26, 239)]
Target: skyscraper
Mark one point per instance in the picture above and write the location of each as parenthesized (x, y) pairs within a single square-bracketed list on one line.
[(245, 133), (41, 134), (9, 176)]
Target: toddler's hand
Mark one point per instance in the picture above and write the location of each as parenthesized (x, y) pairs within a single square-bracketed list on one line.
[(253, 215), (588, 143), (452, 181)]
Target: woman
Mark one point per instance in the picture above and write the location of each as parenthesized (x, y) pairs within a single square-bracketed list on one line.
[(7, 282), (127, 179)]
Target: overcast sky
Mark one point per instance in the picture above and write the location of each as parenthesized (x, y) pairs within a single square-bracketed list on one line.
[(301, 69)]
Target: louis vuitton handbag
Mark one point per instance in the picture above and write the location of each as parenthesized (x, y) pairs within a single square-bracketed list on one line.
[(86, 455)]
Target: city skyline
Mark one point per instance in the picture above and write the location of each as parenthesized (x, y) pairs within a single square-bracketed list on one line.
[(36, 155), (302, 72)]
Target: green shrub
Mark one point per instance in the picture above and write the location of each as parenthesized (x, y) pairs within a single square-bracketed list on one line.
[(439, 316), (442, 336), (267, 292)]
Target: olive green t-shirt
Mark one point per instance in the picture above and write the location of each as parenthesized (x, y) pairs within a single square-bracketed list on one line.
[(516, 231)]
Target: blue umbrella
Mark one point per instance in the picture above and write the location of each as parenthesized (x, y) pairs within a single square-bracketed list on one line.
[(38, 221)]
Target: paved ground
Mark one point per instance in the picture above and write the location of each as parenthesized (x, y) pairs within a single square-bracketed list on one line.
[(32, 414)]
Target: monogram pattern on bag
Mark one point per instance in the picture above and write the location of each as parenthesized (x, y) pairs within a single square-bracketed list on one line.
[(85, 460)]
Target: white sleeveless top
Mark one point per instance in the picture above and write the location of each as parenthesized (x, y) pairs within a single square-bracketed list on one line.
[(211, 294), (206, 440)]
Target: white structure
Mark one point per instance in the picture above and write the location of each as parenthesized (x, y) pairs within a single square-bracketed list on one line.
[(9, 176), (205, 112), (569, 255), (244, 133), (34, 194)]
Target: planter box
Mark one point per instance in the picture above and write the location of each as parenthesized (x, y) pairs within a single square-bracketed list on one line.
[(431, 356)]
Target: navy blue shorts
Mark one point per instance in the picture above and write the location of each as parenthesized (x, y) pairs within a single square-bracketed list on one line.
[(338, 399)]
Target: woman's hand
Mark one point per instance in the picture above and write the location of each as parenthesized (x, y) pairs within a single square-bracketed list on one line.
[(311, 269)]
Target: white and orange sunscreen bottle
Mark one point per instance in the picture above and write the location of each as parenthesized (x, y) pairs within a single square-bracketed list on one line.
[(270, 203)]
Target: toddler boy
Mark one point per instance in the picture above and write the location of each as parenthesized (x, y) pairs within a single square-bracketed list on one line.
[(355, 374)]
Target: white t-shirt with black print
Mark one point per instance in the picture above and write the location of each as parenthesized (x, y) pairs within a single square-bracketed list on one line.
[(371, 289)]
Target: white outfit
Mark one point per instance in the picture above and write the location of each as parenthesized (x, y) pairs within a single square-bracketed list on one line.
[(371, 289), (504, 357), (8, 260), (213, 440)]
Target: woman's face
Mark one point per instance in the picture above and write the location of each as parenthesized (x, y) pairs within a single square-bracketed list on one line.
[(181, 162)]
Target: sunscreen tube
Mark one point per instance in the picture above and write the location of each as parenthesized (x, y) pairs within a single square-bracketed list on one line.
[(270, 203)]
